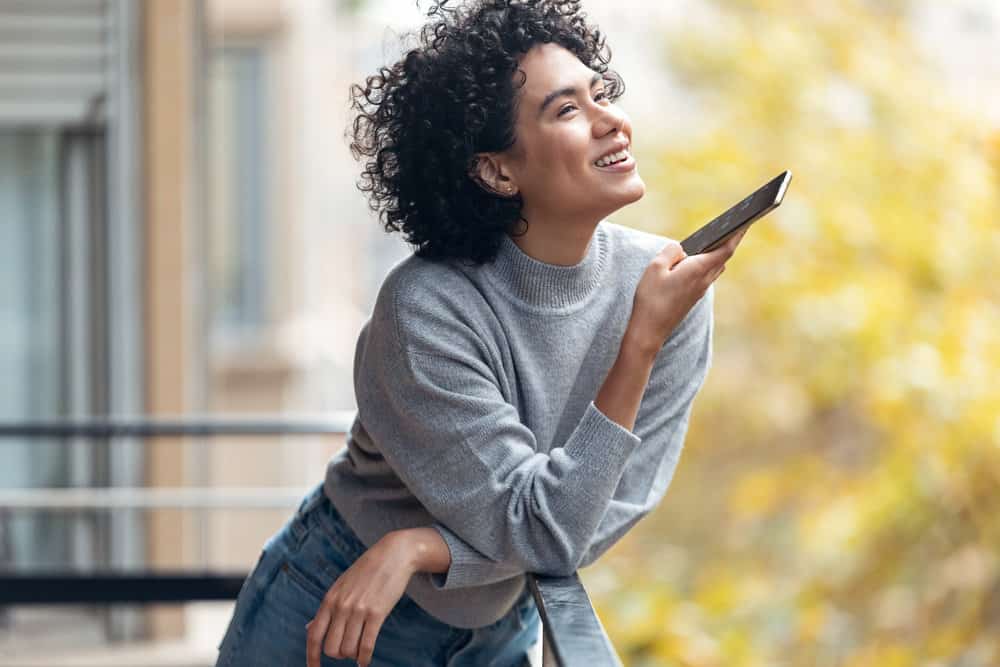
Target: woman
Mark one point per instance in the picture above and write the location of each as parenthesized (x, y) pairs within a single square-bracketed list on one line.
[(525, 381)]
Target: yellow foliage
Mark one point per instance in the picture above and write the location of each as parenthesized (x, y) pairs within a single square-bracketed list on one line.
[(838, 500), (883, 655)]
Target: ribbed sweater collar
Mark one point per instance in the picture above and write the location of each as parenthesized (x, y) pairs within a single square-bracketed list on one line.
[(550, 286)]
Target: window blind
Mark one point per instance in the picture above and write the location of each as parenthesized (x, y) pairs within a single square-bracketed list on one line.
[(54, 61)]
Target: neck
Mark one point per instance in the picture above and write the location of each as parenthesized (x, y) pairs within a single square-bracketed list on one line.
[(545, 285), (555, 241)]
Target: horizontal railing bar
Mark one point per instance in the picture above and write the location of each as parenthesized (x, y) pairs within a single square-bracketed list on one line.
[(104, 588), (573, 632), (251, 498), (336, 423)]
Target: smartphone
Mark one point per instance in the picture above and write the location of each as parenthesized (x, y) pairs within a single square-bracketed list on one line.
[(763, 201)]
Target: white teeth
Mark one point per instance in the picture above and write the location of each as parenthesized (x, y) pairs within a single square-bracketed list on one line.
[(613, 157)]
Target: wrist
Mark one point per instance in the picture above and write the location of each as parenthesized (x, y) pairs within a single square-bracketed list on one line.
[(400, 544), (420, 549), (639, 345)]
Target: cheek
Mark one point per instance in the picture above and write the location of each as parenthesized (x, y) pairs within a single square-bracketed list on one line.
[(547, 171), (561, 174), (564, 150)]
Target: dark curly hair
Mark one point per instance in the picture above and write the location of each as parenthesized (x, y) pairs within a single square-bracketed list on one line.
[(421, 121)]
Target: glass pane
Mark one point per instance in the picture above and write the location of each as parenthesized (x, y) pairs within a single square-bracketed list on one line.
[(238, 197), (30, 343)]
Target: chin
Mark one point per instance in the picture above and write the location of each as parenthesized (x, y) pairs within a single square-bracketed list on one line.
[(630, 194), (638, 190), (608, 200)]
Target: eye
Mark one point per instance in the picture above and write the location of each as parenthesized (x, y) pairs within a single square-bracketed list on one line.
[(601, 96), (566, 108)]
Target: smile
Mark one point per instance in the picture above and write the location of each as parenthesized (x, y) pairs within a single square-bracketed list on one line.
[(617, 162)]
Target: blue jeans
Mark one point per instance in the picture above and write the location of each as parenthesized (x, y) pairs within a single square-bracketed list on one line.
[(300, 563)]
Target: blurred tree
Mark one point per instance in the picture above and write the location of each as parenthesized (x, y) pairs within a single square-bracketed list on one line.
[(350, 6), (838, 502)]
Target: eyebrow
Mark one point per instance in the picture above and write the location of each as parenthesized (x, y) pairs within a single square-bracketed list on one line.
[(569, 90)]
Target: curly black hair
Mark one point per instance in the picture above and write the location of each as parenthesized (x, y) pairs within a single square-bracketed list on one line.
[(421, 121)]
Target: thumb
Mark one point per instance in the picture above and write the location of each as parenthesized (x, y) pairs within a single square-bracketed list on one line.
[(673, 252)]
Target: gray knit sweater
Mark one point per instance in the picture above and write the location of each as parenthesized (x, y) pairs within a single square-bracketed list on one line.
[(475, 390)]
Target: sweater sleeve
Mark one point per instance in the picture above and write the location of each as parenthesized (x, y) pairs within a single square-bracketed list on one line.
[(661, 424), (443, 425)]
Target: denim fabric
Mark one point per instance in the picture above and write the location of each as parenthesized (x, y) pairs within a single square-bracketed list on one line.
[(300, 563)]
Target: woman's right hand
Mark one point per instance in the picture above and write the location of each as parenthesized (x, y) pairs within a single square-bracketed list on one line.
[(671, 285)]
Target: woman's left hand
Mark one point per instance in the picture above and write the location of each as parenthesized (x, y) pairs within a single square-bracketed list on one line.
[(353, 610)]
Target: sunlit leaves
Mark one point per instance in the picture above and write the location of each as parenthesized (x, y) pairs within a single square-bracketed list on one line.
[(838, 501)]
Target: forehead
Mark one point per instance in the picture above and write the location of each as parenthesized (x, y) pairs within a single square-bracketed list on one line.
[(549, 67)]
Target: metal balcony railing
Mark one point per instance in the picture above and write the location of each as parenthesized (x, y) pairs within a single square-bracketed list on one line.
[(572, 633)]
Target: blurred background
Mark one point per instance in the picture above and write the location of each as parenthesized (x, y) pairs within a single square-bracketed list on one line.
[(180, 235)]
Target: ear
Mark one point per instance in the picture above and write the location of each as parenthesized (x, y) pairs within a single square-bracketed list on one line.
[(489, 173)]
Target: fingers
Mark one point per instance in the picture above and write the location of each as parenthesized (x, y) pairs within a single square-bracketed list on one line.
[(342, 631), (721, 253), (673, 253), (728, 247), (315, 633), (348, 646), (716, 273), (735, 239), (324, 632), (367, 647), (336, 633), (706, 267), (738, 236)]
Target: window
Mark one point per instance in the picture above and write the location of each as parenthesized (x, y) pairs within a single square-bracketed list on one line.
[(70, 315), (238, 198)]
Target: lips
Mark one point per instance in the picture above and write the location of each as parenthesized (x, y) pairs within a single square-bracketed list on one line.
[(626, 165), (618, 153), (612, 158)]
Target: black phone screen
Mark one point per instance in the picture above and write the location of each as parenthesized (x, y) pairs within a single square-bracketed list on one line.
[(766, 198)]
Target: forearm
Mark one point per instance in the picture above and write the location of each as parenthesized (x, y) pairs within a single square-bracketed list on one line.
[(620, 395)]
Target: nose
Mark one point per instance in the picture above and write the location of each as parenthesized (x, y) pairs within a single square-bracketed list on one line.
[(610, 120)]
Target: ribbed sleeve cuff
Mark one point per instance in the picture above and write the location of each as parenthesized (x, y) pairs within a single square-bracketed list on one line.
[(600, 442), (468, 566)]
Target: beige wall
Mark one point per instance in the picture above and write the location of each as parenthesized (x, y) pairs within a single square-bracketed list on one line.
[(248, 379), (312, 319), (169, 325)]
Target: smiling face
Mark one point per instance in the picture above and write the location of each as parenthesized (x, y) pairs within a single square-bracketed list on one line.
[(571, 158)]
